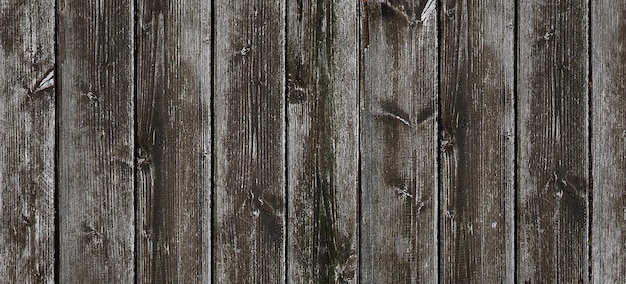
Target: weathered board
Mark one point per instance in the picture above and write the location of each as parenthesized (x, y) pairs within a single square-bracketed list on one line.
[(322, 140), (27, 121), (272, 141), (95, 141), (249, 151), (553, 142), (398, 141), (173, 141), (477, 141), (608, 233)]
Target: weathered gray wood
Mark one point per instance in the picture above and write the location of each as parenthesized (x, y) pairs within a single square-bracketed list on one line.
[(608, 233), (174, 141), (323, 164), (399, 146), (95, 149), (477, 141), (249, 113), (27, 110), (552, 137)]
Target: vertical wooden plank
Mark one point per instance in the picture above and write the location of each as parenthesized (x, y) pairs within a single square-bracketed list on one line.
[(399, 146), (553, 142), (249, 112), (323, 164), (477, 141), (27, 111), (96, 211), (608, 233), (173, 140)]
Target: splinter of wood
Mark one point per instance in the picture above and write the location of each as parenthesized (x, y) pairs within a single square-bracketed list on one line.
[(45, 83)]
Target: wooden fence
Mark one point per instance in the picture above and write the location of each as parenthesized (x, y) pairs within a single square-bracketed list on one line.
[(325, 141)]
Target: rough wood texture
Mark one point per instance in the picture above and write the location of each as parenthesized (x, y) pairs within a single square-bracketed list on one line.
[(174, 141), (477, 141), (249, 108), (27, 141), (95, 166), (313, 141), (399, 146), (322, 137), (553, 163), (608, 233)]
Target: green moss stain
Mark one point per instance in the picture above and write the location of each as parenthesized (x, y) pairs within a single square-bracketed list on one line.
[(311, 84)]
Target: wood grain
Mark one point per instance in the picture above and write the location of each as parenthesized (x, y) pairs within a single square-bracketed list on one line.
[(553, 151), (96, 141), (249, 153), (608, 233), (174, 141), (477, 141), (398, 142), (27, 111), (322, 137)]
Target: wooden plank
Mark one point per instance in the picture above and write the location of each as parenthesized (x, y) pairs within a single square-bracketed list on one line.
[(608, 233), (399, 146), (323, 164), (27, 111), (249, 113), (174, 140), (553, 142), (95, 134), (477, 141)]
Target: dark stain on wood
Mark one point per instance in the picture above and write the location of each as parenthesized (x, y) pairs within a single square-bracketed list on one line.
[(402, 12), (394, 112), (326, 253), (95, 182), (11, 17), (553, 141), (396, 190), (172, 144), (252, 114), (364, 15), (476, 113), (320, 166), (389, 11), (296, 96), (171, 100), (393, 139)]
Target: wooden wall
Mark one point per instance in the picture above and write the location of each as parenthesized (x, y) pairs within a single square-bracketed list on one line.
[(312, 141)]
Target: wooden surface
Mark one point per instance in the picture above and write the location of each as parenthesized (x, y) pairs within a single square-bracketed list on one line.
[(174, 141), (95, 141), (477, 134), (323, 162), (608, 233), (27, 121), (330, 141), (249, 151), (398, 142), (553, 142)]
